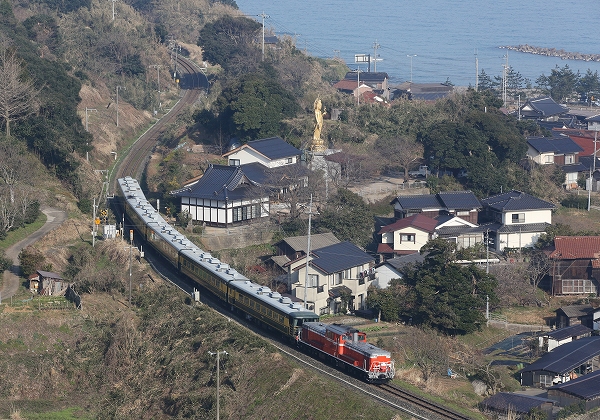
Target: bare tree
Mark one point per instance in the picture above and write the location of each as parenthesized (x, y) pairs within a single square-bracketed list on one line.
[(426, 350), (13, 165), (18, 94), (400, 151), (538, 269)]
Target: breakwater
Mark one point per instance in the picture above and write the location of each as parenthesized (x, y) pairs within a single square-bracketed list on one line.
[(553, 52)]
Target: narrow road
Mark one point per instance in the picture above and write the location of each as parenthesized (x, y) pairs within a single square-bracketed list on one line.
[(10, 284)]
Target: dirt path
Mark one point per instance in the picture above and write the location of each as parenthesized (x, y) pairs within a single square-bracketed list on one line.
[(10, 284)]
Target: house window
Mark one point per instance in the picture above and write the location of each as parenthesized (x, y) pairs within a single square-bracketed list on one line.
[(234, 162), (289, 160), (347, 274), (549, 159), (518, 218), (313, 280), (407, 237), (569, 159), (337, 278)]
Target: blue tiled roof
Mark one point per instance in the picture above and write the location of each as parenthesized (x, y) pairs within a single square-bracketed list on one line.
[(576, 167), (516, 200), (557, 145), (220, 182), (546, 107), (570, 331), (503, 401), (586, 387), (451, 200), (337, 257), (459, 200), (567, 357), (274, 148)]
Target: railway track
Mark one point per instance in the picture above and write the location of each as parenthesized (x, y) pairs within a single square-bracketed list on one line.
[(417, 401), (136, 156)]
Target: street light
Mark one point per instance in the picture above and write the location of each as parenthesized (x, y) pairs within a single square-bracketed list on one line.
[(218, 353), (411, 58)]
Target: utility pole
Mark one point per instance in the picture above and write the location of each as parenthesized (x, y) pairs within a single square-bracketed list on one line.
[(307, 251), (113, 1), (476, 72), (218, 353), (375, 48), (94, 225), (118, 87), (263, 16), (157, 67), (504, 79), (357, 71), (590, 187), (130, 243), (411, 62), (86, 117)]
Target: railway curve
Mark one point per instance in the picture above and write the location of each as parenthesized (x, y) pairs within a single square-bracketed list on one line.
[(137, 155)]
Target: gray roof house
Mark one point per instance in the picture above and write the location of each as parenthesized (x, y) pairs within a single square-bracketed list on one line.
[(333, 271), (463, 204), (562, 151), (503, 402), (562, 364), (515, 219), (584, 389), (543, 108)]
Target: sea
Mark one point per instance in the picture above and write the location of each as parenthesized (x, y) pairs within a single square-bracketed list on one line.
[(435, 41)]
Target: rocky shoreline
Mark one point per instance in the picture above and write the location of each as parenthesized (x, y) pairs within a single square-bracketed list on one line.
[(553, 52)]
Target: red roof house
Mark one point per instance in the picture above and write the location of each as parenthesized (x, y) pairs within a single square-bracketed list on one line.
[(406, 236), (575, 265)]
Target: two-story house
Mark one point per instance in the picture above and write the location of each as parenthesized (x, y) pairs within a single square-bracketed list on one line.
[(241, 191), (463, 204), (515, 219), (560, 151), (358, 83), (334, 272), (406, 236), (271, 153), (575, 265)]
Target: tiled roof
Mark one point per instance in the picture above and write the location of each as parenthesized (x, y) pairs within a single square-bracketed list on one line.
[(272, 148), (516, 200), (49, 275), (595, 118), (567, 357), (417, 221), (575, 167), (586, 387), (346, 85), (504, 401), (402, 260), (570, 331), (388, 249), (558, 145), (545, 107), (342, 256), (575, 311), (523, 228), (451, 200), (319, 240), (220, 182), (576, 247), (367, 77)]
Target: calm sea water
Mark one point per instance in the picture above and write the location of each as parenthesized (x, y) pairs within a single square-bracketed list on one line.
[(447, 36)]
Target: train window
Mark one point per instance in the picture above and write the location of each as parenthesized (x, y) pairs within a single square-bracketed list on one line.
[(270, 313)]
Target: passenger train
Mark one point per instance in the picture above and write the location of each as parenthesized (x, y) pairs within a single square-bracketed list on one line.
[(258, 303)]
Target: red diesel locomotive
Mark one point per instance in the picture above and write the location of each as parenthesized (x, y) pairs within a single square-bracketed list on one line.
[(347, 348)]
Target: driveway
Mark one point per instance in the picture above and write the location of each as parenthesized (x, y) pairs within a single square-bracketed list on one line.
[(10, 285)]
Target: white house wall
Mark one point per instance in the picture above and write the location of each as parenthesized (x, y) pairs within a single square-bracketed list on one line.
[(214, 211), (248, 155), (517, 240), (385, 274), (531, 216), (421, 239)]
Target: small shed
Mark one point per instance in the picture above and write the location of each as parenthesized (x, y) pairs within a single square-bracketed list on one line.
[(583, 389), (553, 339), (47, 283), (572, 315), (562, 364), (504, 403)]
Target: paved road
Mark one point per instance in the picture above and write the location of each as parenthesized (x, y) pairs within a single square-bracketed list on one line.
[(10, 285)]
